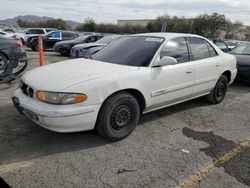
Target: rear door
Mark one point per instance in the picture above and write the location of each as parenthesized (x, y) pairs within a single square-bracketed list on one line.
[(173, 83), (208, 65)]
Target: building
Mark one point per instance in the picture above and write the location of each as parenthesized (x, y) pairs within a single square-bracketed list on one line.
[(142, 22)]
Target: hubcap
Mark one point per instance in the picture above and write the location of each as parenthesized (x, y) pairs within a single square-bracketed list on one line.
[(120, 117), (3, 63), (221, 90)]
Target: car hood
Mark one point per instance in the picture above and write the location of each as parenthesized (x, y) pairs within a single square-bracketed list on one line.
[(242, 60), (87, 45), (58, 76)]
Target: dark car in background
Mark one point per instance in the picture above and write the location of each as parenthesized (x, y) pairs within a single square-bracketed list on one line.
[(64, 47), (232, 44), (13, 59), (242, 54), (50, 39), (86, 50)]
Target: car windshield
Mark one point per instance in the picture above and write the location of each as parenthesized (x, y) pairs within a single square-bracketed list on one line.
[(130, 50), (108, 39), (231, 43), (242, 49)]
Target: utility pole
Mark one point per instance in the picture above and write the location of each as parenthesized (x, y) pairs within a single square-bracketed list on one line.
[(164, 25)]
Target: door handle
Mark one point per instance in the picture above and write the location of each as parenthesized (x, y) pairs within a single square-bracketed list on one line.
[(189, 71), (218, 65)]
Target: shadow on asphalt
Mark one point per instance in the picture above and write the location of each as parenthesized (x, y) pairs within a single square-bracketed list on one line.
[(21, 139), (238, 166), (168, 111)]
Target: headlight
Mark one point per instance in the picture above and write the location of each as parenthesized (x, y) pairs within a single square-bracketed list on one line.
[(60, 98)]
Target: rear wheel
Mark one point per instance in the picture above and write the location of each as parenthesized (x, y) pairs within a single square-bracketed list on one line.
[(118, 116), (3, 63), (218, 94)]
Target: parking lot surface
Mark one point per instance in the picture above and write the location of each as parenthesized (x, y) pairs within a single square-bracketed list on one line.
[(193, 144)]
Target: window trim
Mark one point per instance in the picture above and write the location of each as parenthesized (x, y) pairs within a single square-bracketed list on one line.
[(208, 44)]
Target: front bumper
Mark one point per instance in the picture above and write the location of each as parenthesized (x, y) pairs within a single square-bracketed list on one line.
[(74, 53), (58, 118)]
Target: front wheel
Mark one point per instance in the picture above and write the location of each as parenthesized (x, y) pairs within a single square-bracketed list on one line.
[(3, 63), (118, 116), (218, 94)]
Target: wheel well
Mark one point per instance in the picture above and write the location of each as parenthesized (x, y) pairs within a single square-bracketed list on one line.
[(228, 75), (5, 55), (138, 96)]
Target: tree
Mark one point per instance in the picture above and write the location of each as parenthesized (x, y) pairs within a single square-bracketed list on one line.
[(53, 23)]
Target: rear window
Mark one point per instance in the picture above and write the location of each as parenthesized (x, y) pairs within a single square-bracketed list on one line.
[(211, 50)]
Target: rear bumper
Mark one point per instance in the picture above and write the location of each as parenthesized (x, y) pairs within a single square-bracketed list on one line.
[(243, 74), (58, 118)]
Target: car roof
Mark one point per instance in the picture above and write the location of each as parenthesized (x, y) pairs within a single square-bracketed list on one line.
[(167, 35)]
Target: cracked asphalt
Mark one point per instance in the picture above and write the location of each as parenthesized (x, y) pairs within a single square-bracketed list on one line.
[(152, 156)]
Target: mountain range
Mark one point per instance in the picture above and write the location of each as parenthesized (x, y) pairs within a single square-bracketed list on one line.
[(33, 18)]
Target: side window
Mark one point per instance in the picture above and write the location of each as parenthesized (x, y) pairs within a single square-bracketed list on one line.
[(176, 48), (211, 50), (91, 39), (68, 35), (55, 35), (198, 48), (65, 35)]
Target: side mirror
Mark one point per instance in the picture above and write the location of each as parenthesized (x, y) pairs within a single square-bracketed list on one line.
[(166, 60)]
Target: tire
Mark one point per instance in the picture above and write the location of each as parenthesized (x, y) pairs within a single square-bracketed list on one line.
[(22, 40), (118, 117), (4, 61), (64, 54), (218, 94), (17, 72)]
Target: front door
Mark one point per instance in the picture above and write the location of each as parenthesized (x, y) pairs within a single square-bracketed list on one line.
[(173, 83)]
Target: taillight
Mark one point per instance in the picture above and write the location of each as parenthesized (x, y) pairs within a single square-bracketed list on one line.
[(19, 44)]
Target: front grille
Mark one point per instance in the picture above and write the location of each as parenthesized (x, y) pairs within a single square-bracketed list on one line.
[(27, 90)]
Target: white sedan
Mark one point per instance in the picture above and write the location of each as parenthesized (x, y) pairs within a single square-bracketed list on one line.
[(135, 74)]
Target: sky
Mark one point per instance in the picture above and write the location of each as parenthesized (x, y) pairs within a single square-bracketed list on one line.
[(112, 10)]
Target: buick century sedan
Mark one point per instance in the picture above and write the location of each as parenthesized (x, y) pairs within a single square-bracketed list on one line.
[(134, 75)]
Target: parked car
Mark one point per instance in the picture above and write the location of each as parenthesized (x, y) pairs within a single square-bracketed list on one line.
[(222, 45), (242, 54), (232, 44), (50, 39), (3, 33), (134, 75), (13, 59), (33, 32), (9, 30), (64, 47), (86, 50)]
